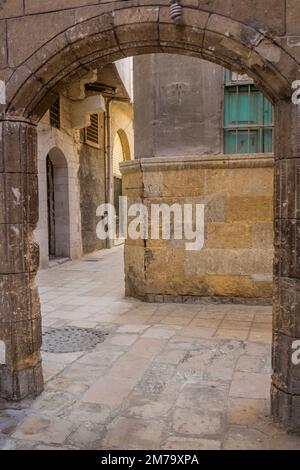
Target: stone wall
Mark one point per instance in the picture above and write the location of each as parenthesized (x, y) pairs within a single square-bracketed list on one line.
[(91, 178), (66, 141), (177, 105), (236, 261)]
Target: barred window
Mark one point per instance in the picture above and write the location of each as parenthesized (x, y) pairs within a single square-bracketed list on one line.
[(55, 114), (248, 116)]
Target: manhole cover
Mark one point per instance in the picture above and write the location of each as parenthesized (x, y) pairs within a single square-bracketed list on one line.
[(71, 339)]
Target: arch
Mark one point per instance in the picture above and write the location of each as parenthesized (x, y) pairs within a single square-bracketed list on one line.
[(237, 35), (125, 144), (58, 204), (120, 29)]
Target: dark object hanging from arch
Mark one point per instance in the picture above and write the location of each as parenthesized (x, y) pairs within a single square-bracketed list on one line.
[(176, 11)]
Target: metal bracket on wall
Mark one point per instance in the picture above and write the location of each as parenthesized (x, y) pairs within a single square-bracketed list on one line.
[(176, 11)]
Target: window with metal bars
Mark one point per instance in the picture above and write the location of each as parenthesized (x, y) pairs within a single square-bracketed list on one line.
[(55, 114), (92, 132), (248, 117)]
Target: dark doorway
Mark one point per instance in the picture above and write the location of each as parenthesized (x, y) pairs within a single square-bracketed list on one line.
[(51, 207)]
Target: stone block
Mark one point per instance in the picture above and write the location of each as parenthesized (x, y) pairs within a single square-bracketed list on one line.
[(286, 318), (18, 385), (18, 200), (3, 54), (250, 209), (19, 253), (286, 374), (12, 8), (20, 298), (17, 33), (287, 176), (285, 408), (287, 252), (18, 148), (225, 235)]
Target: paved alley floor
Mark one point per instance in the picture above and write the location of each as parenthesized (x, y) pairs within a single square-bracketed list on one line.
[(167, 376)]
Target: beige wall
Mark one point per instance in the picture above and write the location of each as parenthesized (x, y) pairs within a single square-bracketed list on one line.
[(121, 120), (237, 257), (66, 141), (85, 169)]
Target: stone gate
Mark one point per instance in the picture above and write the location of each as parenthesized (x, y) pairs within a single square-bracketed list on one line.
[(45, 46)]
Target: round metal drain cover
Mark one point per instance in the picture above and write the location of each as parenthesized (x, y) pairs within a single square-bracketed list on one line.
[(70, 339)]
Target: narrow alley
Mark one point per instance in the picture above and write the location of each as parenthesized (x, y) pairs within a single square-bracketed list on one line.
[(161, 376)]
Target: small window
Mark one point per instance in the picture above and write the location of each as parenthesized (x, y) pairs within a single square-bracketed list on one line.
[(248, 117), (92, 132), (55, 114)]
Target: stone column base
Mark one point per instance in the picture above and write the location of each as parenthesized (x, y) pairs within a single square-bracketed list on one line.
[(235, 263), (17, 385), (285, 408)]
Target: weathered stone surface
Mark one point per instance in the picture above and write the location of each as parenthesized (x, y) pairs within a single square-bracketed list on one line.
[(287, 253), (20, 322), (286, 408), (286, 308), (233, 262), (286, 374)]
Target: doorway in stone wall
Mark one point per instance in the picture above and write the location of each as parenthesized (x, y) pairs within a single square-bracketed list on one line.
[(245, 39), (58, 206)]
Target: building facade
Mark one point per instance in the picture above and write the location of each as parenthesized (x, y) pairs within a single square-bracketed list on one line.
[(78, 162)]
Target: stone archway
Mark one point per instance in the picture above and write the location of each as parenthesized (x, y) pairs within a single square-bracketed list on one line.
[(260, 39), (125, 144)]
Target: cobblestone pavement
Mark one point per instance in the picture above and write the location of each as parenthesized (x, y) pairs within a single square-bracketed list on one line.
[(167, 376)]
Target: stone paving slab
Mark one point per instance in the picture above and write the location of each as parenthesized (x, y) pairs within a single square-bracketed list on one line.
[(167, 376)]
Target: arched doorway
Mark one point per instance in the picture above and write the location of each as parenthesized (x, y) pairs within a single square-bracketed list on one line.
[(246, 39), (121, 153), (58, 205)]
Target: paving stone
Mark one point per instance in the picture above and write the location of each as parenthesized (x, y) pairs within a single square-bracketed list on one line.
[(44, 429), (156, 378), (87, 436), (9, 420), (131, 433), (86, 413), (123, 340), (176, 395), (109, 391), (171, 357), (249, 385), (160, 332), (204, 396), (245, 438), (192, 422), (183, 443), (235, 334), (246, 412), (251, 364), (53, 401), (198, 332), (132, 329)]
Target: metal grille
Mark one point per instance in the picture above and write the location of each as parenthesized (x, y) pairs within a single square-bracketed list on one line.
[(71, 339), (92, 132), (55, 114), (248, 116)]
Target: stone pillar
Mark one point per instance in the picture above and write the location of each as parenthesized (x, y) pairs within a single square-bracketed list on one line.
[(286, 326), (20, 319)]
